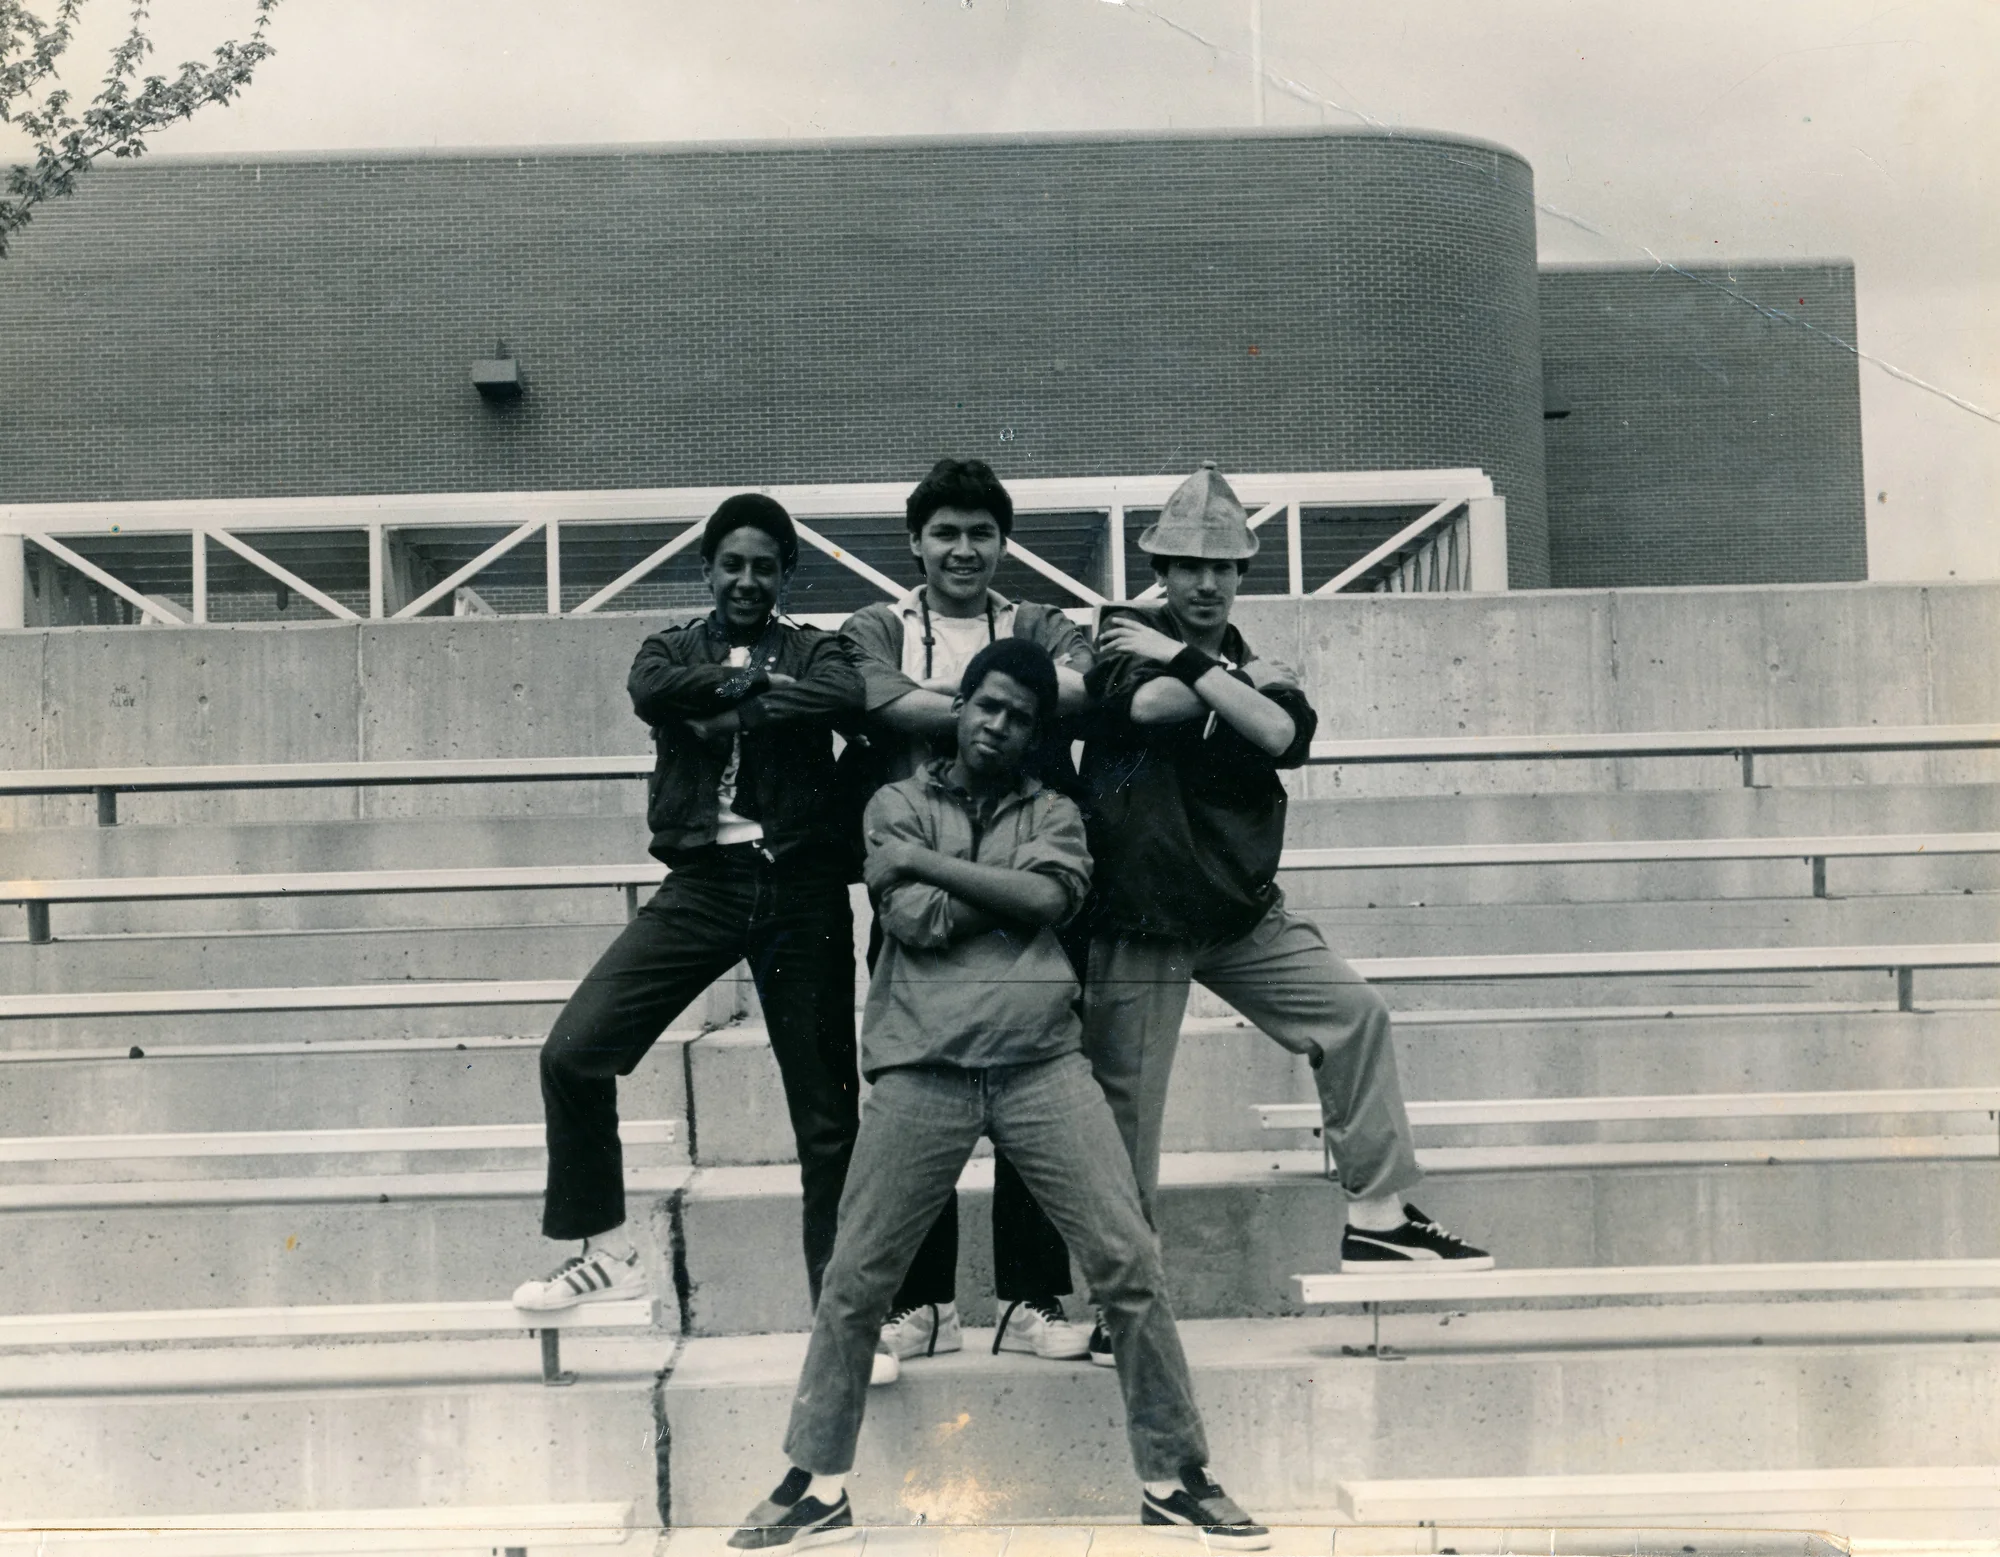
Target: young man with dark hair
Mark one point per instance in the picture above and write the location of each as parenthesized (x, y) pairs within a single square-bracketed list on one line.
[(742, 707), (1187, 822), (971, 1029), (913, 654)]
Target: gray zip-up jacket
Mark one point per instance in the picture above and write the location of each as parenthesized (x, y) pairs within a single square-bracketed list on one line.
[(1002, 997)]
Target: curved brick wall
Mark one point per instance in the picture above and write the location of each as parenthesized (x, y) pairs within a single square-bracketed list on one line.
[(777, 313)]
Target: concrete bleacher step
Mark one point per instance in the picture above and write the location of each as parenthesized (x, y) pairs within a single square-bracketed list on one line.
[(1236, 1227), (1224, 1069), (533, 1530), (523, 835), (301, 841), (361, 1425), (1554, 1053), (1313, 1534), (526, 952), (96, 1033), (979, 1437), (1670, 1114), (1794, 811), (373, 954), (1405, 926), (1906, 1500), (1418, 929), (1376, 1285), (1629, 870), (284, 1084), (369, 1238), (1329, 814), (148, 1018), (1526, 928), (345, 1321)]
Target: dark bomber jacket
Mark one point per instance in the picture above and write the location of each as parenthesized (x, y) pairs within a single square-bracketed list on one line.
[(785, 780), (1186, 820)]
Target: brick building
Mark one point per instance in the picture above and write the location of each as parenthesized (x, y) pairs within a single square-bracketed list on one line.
[(1693, 439), (846, 312)]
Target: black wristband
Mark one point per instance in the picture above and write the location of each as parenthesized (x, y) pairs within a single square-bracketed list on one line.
[(1190, 665)]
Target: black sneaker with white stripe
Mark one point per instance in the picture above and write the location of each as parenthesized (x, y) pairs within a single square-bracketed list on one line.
[(789, 1518), (1419, 1244), (1202, 1508)]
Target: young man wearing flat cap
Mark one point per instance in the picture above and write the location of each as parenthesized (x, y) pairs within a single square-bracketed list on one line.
[(1187, 822)]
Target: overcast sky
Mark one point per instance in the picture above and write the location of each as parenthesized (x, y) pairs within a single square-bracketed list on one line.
[(1717, 130)]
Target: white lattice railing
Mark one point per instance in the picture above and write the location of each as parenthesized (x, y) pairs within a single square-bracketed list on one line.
[(1430, 555), (1458, 543)]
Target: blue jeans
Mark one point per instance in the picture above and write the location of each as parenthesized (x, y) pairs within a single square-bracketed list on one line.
[(918, 1129)]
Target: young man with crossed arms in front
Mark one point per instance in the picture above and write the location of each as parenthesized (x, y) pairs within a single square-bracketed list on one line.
[(1187, 822), (970, 1029)]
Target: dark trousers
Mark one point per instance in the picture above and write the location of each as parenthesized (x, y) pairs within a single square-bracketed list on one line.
[(1030, 1259), (796, 930)]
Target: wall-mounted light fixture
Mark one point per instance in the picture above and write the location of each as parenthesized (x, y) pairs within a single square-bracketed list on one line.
[(498, 377)]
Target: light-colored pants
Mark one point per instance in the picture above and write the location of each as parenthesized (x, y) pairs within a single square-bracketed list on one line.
[(918, 1128), (1285, 979)]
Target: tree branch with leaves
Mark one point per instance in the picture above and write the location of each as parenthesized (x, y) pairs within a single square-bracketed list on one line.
[(116, 122)]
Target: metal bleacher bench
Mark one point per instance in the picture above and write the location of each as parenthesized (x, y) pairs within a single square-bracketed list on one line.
[(1903, 960), (520, 1531), (21, 1332), (37, 896), (1682, 1106), (298, 1143), (1745, 745), (1609, 1498), (1432, 1287)]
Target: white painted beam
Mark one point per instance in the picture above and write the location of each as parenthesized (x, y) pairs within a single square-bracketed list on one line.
[(1437, 1285)]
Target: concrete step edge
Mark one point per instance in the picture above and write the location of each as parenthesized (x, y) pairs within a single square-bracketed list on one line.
[(1266, 1169), (216, 1372), (514, 1184), (390, 1532), (1315, 1343), (1512, 1499)]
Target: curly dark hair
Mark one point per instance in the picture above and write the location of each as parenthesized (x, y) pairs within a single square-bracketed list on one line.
[(752, 511), (1024, 660), (967, 484)]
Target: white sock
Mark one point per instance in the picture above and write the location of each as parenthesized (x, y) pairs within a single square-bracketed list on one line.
[(1381, 1214), (827, 1489), (1161, 1489), (617, 1244)]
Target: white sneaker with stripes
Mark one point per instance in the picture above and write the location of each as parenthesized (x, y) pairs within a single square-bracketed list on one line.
[(583, 1278)]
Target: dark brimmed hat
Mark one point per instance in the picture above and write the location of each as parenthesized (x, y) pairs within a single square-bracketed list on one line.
[(1202, 519)]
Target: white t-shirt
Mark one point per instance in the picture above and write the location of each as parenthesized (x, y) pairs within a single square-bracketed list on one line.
[(955, 640), (958, 638), (729, 827)]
